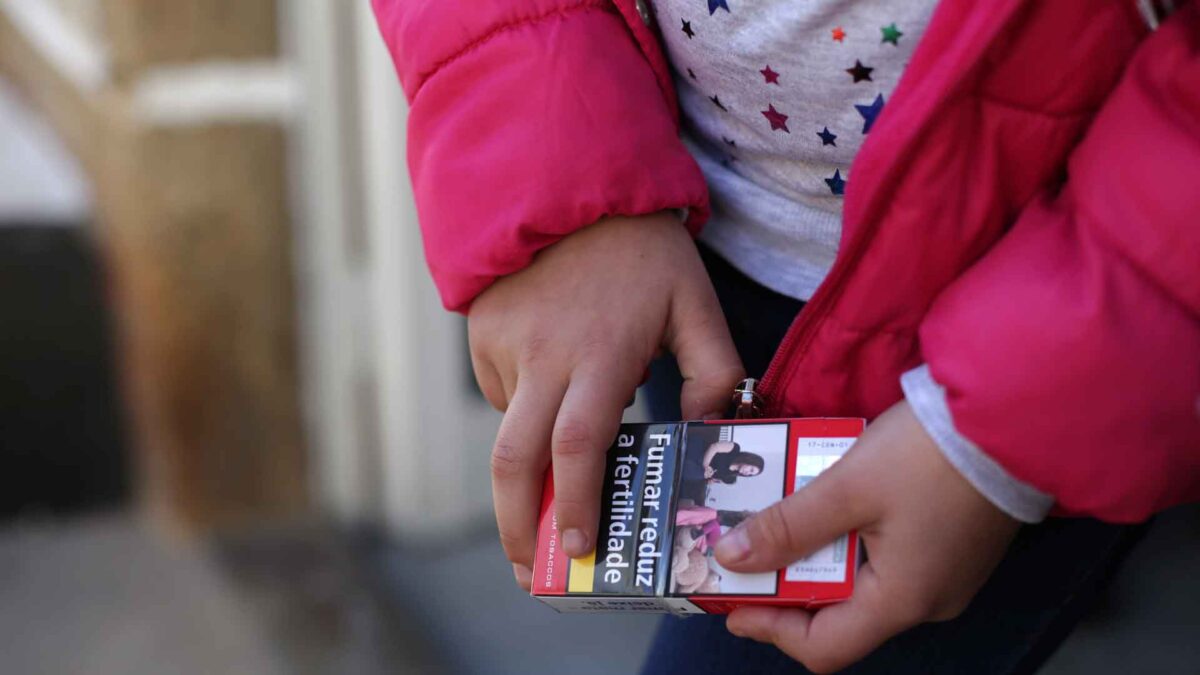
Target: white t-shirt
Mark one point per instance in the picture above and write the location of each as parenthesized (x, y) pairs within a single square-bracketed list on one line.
[(777, 97)]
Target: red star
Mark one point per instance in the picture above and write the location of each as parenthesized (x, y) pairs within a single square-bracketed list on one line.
[(770, 76), (777, 119), (839, 34)]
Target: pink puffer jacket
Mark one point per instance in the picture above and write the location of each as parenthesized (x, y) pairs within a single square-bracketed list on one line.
[(1023, 218)]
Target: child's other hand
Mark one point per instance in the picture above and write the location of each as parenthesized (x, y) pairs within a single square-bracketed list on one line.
[(562, 345), (932, 538)]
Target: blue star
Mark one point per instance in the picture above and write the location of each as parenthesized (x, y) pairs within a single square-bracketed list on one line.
[(714, 5), (836, 185), (827, 137), (870, 112)]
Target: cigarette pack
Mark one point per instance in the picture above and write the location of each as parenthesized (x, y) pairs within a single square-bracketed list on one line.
[(670, 491)]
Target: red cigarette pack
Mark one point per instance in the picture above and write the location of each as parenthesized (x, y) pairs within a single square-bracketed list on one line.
[(670, 491)]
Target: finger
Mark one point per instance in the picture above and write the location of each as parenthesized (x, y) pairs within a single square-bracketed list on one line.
[(586, 426), (790, 529), (698, 336), (834, 637), (490, 384), (523, 575), (519, 460)]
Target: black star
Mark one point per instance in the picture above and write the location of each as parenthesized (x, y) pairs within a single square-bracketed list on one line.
[(687, 29), (691, 74), (860, 72), (717, 102), (730, 142), (827, 137), (837, 185)]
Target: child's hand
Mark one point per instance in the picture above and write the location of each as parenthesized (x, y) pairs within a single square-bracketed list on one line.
[(562, 345), (932, 538)]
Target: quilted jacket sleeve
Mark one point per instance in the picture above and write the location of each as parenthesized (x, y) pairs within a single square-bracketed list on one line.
[(1071, 352), (529, 120)]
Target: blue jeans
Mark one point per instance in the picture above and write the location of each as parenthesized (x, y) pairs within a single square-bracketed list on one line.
[(1051, 575)]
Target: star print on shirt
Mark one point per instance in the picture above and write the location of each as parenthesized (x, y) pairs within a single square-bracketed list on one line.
[(770, 76), (691, 74), (891, 34), (870, 112), (687, 29), (839, 35), (714, 5), (730, 142), (835, 182), (860, 72), (777, 119), (717, 102), (827, 137)]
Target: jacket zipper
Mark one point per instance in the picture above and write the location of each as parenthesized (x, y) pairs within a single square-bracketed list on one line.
[(747, 404), (795, 341)]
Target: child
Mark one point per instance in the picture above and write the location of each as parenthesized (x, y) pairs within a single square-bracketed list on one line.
[(1004, 277)]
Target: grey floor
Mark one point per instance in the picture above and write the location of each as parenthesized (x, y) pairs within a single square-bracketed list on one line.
[(106, 596), (102, 595)]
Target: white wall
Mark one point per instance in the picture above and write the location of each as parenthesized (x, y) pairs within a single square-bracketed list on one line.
[(396, 430), (40, 180)]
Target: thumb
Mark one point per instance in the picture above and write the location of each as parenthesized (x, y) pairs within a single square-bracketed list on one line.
[(698, 336), (790, 529)]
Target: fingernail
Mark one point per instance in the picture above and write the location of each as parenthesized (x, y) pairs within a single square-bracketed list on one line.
[(734, 545), (735, 627), (712, 416), (523, 574), (575, 543)]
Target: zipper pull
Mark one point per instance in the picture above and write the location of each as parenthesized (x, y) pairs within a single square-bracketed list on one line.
[(747, 403)]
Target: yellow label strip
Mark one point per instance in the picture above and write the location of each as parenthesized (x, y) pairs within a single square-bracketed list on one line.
[(582, 575)]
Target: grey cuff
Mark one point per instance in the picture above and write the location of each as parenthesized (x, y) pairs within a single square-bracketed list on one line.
[(1014, 497)]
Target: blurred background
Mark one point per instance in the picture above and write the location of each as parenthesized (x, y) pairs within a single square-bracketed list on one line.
[(238, 432)]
